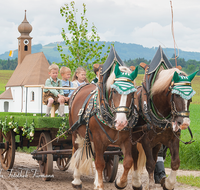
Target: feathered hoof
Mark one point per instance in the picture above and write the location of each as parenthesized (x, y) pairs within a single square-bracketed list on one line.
[(137, 188), (162, 182), (79, 187), (118, 186)]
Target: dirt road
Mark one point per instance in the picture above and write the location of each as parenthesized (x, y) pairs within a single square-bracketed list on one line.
[(25, 176)]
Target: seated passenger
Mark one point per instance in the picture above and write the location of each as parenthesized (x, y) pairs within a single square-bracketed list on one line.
[(79, 77), (53, 96), (66, 74)]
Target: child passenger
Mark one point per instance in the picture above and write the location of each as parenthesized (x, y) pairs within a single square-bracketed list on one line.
[(54, 96), (66, 74), (79, 77)]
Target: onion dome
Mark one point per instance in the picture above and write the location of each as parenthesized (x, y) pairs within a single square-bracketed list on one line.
[(25, 28)]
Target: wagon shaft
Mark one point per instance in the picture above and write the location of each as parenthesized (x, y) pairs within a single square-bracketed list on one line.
[(68, 152)]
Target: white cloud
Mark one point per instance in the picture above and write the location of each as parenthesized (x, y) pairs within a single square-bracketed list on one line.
[(143, 22), (154, 34)]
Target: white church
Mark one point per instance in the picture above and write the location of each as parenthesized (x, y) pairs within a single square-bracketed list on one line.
[(32, 69)]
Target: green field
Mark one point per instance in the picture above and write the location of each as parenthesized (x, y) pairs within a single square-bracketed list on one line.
[(4, 77)]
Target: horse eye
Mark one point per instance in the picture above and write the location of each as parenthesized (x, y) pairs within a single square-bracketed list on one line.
[(176, 95), (114, 91)]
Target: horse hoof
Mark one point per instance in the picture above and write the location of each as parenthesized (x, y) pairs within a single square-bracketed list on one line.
[(162, 182), (118, 186), (79, 187), (137, 188)]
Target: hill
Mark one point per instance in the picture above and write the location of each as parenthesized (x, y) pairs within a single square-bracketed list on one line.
[(125, 51)]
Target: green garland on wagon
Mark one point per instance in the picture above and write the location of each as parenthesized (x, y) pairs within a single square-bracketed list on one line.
[(28, 131), (63, 127)]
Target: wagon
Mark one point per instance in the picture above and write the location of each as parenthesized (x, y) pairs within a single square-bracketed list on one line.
[(59, 150)]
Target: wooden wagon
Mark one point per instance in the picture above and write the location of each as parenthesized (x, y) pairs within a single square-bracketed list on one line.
[(59, 150)]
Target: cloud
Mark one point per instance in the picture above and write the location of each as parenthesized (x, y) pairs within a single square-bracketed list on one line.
[(154, 34), (143, 22)]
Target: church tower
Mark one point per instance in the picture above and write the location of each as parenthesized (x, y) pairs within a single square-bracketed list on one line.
[(24, 41)]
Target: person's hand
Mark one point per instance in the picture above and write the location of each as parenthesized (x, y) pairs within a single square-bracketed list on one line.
[(66, 99), (60, 96)]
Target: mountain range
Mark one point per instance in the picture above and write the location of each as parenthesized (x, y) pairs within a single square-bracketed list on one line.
[(124, 50)]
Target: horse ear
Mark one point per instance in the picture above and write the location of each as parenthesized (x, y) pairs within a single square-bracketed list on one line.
[(190, 77), (175, 77), (132, 68), (134, 73), (117, 70)]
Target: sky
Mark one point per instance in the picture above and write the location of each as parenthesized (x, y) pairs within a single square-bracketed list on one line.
[(144, 22)]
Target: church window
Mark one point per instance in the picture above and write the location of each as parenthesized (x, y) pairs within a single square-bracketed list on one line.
[(32, 96), (25, 48)]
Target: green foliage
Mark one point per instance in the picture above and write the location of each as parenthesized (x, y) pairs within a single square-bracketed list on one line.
[(136, 62), (6, 126), (29, 130), (64, 126), (189, 66), (82, 43), (9, 64), (190, 180), (39, 121)]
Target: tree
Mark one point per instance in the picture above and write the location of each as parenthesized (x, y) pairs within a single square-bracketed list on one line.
[(83, 46)]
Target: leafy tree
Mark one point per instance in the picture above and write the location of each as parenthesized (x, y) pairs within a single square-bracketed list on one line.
[(9, 64), (82, 44)]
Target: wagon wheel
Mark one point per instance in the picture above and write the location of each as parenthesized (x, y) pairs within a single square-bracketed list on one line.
[(7, 154), (46, 164), (111, 166), (63, 163)]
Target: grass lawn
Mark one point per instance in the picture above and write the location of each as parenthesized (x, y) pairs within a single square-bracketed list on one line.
[(190, 180), (4, 77)]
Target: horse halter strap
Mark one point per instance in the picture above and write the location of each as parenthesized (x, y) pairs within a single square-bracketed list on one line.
[(121, 109)]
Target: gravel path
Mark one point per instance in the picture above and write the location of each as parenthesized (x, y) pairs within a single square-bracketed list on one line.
[(25, 176)]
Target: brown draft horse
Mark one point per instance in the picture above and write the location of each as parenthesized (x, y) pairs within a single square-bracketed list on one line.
[(99, 133), (163, 131)]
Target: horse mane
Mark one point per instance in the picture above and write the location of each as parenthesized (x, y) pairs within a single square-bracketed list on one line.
[(164, 79), (111, 78)]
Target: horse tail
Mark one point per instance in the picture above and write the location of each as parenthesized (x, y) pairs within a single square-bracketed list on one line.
[(141, 158), (81, 160)]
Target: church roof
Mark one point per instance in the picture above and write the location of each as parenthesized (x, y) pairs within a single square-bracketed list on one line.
[(6, 95), (32, 71)]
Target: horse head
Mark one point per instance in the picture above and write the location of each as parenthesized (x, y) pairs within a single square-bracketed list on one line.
[(175, 86), (182, 93), (120, 88)]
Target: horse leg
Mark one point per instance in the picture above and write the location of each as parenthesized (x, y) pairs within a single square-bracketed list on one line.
[(121, 183), (99, 164), (81, 162), (136, 182), (77, 183), (169, 182), (151, 157)]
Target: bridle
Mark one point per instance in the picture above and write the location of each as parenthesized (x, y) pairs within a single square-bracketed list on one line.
[(121, 109), (110, 109)]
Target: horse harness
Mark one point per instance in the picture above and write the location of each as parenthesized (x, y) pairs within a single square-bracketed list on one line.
[(101, 114)]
